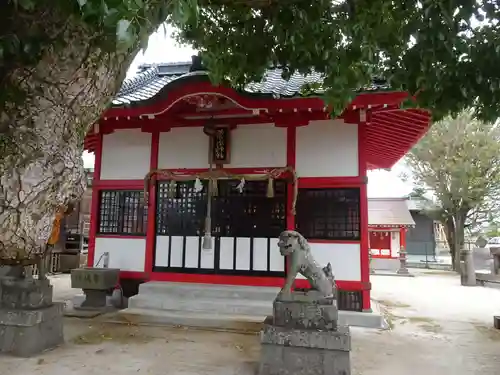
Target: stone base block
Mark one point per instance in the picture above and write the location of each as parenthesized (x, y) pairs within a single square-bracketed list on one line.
[(25, 294), (94, 299), (304, 311), (24, 333), (331, 340), (290, 360)]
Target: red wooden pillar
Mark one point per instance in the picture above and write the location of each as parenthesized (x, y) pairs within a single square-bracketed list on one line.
[(151, 227), (363, 205), (291, 145)]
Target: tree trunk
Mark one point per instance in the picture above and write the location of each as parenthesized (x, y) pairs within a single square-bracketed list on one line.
[(450, 237), (41, 137), (459, 219)]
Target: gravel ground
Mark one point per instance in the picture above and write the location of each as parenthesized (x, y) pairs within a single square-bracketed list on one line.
[(438, 327)]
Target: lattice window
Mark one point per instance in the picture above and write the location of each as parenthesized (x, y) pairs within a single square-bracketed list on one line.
[(329, 214), (180, 212), (249, 213), (122, 212), (234, 214), (350, 300)]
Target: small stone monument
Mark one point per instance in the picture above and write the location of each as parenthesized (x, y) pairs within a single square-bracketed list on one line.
[(29, 321), (303, 337), (95, 283)]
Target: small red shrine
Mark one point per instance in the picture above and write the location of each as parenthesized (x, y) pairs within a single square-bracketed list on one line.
[(194, 182), (388, 222)]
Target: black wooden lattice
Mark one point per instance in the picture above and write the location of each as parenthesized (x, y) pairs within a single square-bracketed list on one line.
[(349, 300), (122, 212), (329, 214), (180, 212), (250, 213)]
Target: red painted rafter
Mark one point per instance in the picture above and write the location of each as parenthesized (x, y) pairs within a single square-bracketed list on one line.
[(389, 134), (399, 116), (401, 125), (381, 139), (387, 150)]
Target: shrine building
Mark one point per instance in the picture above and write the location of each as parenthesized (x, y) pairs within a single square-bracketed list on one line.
[(194, 182), (388, 222)]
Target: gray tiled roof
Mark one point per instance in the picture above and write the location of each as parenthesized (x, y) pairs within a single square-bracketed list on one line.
[(389, 212), (152, 78), (420, 204)]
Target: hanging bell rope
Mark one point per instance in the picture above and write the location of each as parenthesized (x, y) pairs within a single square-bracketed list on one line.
[(172, 189), (215, 187), (270, 188), (207, 236)]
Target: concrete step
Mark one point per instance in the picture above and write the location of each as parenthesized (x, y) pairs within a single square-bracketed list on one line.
[(219, 306), (215, 305), (238, 323), (209, 291)]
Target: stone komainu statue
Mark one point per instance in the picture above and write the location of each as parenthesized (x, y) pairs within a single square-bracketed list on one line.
[(300, 260)]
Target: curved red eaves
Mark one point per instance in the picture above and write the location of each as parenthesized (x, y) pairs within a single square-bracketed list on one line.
[(391, 134)]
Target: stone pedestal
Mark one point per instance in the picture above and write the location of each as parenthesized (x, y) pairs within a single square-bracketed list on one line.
[(30, 322), (467, 272), (95, 283), (303, 337)]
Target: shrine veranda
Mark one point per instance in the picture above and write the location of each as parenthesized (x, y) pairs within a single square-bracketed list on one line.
[(278, 161)]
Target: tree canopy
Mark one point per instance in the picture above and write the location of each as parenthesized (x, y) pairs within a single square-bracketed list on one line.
[(446, 52), (458, 162)]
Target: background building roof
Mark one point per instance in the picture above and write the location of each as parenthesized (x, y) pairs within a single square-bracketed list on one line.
[(389, 212)]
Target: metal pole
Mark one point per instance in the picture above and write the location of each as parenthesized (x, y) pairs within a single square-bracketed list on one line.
[(105, 260)]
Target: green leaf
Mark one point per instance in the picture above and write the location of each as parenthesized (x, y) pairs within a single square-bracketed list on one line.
[(26, 4)]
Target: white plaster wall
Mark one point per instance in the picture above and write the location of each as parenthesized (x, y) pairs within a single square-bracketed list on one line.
[(260, 145), (252, 146), (126, 155), (183, 148), (191, 260), (276, 261), (327, 148), (127, 254), (344, 258), (395, 244)]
